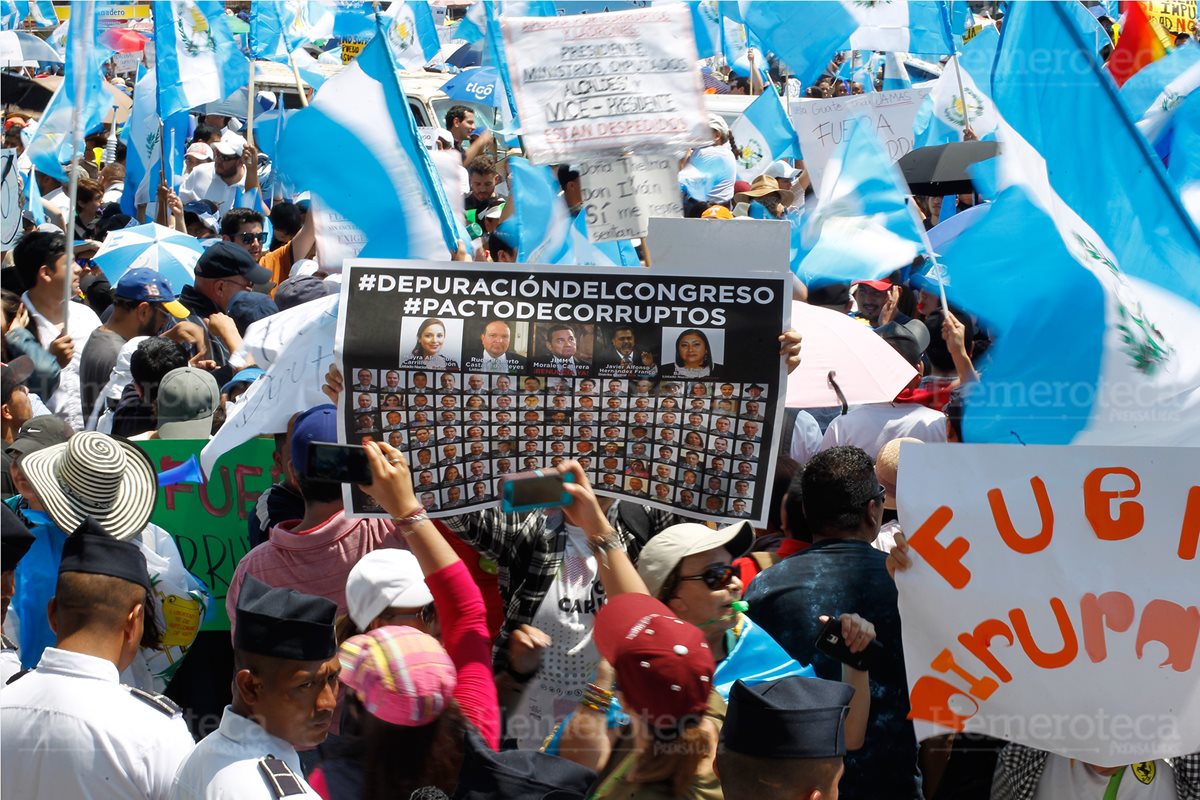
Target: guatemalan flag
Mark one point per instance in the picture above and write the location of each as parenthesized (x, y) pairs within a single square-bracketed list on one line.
[(764, 134), (1102, 348), (804, 35), (903, 26), (411, 33), (382, 180), (945, 113), (863, 226), (545, 232), (52, 145), (143, 134), (198, 61), (1157, 91)]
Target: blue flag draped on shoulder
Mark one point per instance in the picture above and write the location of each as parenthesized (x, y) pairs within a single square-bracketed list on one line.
[(382, 180), (1151, 236), (197, 58), (764, 134), (804, 35), (51, 145), (863, 226)]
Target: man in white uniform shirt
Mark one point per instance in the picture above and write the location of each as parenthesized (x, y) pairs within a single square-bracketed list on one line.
[(70, 728), (219, 179), (284, 694)]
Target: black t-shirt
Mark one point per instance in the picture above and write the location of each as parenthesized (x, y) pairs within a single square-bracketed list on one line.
[(834, 577)]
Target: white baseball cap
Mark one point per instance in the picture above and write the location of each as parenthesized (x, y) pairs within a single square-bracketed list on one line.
[(200, 151), (781, 169), (384, 579), (667, 549)]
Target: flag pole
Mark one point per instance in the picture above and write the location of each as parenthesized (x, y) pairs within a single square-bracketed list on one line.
[(299, 83), (963, 96), (80, 77), (250, 107)]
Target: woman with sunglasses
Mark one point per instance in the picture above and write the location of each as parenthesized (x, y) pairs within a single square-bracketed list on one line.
[(416, 659), (689, 568)]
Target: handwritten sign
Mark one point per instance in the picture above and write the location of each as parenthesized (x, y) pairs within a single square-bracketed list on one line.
[(1053, 599), (10, 200), (209, 522), (1175, 16), (823, 124), (337, 237), (601, 84), (351, 48), (620, 195), (126, 62)]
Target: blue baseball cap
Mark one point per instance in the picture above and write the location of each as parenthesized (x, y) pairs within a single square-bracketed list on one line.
[(144, 285), (318, 424), (248, 375)]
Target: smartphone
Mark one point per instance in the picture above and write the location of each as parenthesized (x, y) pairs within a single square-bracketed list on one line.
[(541, 488), (337, 463), (830, 642)]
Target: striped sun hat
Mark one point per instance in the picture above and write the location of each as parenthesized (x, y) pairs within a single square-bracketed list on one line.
[(94, 475), (401, 675)]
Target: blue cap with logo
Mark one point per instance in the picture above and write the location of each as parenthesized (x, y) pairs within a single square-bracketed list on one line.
[(144, 285)]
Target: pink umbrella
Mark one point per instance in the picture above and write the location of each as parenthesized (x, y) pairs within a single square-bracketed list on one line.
[(841, 350)]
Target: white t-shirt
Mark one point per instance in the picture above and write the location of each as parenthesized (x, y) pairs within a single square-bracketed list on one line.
[(567, 615), (806, 438), (873, 425), (81, 321), (1068, 779), (202, 183)]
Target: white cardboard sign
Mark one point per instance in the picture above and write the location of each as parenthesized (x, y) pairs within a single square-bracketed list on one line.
[(824, 124), (620, 195), (603, 84), (1053, 597)]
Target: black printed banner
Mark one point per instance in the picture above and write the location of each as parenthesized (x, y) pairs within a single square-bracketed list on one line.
[(667, 388)]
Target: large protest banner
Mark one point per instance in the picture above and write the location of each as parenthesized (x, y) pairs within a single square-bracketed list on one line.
[(823, 124), (209, 521), (599, 84), (666, 388), (1053, 599)]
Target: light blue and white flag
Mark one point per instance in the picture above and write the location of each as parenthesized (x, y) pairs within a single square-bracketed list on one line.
[(943, 115), (895, 74), (1155, 92), (197, 59), (351, 19), (52, 145), (903, 26), (763, 134), (803, 35), (706, 21), (411, 33), (543, 222), (1184, 166), (279, 28), (382, 180), (13, 14), (1151, 235), (863, 226), (1089, 356)]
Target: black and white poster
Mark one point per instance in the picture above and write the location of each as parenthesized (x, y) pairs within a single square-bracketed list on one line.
[(666, 387)]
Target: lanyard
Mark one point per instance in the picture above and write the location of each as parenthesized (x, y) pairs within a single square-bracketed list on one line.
[(1114, 781)]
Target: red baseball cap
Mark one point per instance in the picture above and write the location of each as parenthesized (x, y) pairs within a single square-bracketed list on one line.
[(879, 286), (664, 666)]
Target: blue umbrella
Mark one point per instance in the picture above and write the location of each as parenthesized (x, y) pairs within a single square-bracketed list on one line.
[(171, 253), (478, 85), (469, 55)]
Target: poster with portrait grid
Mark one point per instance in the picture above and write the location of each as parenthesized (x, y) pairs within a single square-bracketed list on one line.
[(666, 387)]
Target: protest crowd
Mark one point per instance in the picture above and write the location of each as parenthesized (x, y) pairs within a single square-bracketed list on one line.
[(308, 493)]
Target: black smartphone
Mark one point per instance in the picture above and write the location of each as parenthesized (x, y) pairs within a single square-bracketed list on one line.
[(831, 643), (338, 463), (541, 488)]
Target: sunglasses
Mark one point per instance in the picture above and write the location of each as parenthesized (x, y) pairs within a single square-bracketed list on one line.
[(246, 237), (223, 157), (427, 614), (715, 577)]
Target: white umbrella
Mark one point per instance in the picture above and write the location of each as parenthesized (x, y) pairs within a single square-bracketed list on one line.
[(865, 367), (166, 250), (18, 49)]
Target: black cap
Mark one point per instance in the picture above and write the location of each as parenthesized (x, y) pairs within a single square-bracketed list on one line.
[(284, 623), (14, 536), (227, 260), (15, 373), (518, 775), (909, 339), (39, 432), (831, 294), (90, 549), (792, 717)]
